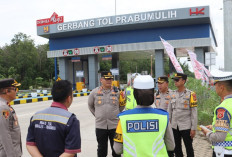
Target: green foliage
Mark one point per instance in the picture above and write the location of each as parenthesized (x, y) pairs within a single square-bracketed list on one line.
[(105, 65), (126, 67), (207, 99), (38, 81), (185, 68), (134, 66), (23, 61)]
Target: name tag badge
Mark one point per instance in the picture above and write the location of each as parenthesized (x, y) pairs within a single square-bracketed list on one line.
[(133, 126)]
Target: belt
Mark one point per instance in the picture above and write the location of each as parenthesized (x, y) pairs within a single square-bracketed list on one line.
[(221, 151), (228, 152)]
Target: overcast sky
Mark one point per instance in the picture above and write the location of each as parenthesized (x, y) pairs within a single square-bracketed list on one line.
[(21, 15)]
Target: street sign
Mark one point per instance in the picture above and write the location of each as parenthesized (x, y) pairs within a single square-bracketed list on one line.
[(76, 51), (79, 73), (96, 50), (115, 71), (65, 52), (109, 48)]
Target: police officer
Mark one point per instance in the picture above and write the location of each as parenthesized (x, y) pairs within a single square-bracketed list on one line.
[(10, 135), (163, 96), (183, 115), (104, 104), (144, 131), (130, 100), (55, 131), (221, 134)]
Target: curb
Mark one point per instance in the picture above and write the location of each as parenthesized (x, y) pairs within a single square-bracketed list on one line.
[(29, 95), (42, 98)]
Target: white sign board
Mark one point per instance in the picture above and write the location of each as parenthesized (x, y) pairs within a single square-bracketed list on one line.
[(79, 73), (114, 71), (210, 58)]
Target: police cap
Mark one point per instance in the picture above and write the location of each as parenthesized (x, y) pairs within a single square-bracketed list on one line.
[(9, 83), (162, 79), (177, 76), (107, 75), (219, 76)]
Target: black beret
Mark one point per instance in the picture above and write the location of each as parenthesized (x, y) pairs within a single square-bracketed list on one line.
[(180, 75), (107, 74), (8, 83)]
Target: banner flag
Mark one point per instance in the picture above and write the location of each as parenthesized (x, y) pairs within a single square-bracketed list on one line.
[(199, 69), (170, 50)]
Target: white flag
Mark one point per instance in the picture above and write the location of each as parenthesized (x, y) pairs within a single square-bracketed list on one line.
[(196, 68), (199, 69), (170, 50)]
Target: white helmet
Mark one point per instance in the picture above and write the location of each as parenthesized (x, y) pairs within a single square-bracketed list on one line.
[(144, 82)]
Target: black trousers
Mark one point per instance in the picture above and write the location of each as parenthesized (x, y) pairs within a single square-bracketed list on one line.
[(185, 134), (214, 155), (102, 138)]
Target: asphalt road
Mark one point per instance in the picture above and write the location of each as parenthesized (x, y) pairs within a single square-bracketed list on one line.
[(79, 107)]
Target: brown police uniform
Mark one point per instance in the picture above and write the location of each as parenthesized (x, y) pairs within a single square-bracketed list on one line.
[(183, 112), (10, 135), (183, 117), (105, 106), (162, 100)]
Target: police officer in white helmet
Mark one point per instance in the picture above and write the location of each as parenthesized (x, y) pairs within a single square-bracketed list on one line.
[(129, 93), (144, 131)]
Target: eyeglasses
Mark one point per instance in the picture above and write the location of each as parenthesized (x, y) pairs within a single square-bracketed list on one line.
[(177, 80), (14, 88), (108, 78)]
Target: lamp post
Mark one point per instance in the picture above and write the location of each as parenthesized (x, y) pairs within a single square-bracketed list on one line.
[(151, 65)]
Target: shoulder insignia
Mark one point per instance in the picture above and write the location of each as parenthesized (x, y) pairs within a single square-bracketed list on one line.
[(194, 96), (5, 113), (220, 113)]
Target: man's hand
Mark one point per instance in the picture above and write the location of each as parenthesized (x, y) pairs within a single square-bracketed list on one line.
[(205, 131), (192, 133), (210, 127)]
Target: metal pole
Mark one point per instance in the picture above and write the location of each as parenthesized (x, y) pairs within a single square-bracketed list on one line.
[(55, 62), (115, 6), (210, 61), (151, 65)]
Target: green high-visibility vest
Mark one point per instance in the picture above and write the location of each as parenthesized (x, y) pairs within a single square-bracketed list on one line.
[(143, 132), (226, 104), (130, 99)]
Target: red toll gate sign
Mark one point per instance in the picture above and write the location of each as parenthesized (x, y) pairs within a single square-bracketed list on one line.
[(52, 20)]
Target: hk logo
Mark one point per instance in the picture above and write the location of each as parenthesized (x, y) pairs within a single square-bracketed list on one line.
[(196, 12)]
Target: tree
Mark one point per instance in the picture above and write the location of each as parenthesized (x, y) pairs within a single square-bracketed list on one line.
[(22, 53), (24, 62), (45, 66)]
